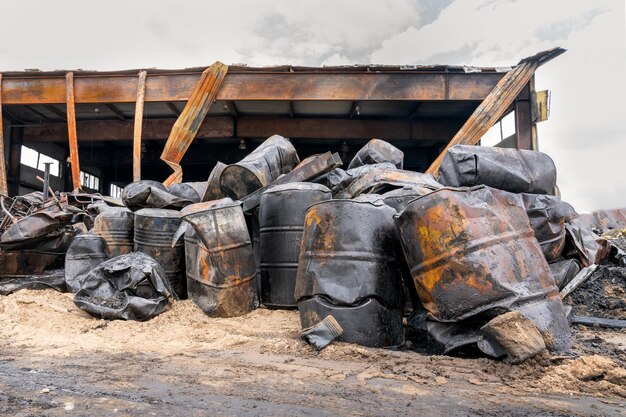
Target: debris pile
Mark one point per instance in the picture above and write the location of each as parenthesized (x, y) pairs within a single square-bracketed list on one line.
[(479, 258)]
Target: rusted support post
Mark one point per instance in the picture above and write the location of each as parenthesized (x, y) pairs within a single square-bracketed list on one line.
[(524, 123), (71, 129), (4, 189), (141, 90)]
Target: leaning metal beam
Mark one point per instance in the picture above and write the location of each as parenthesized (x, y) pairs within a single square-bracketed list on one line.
[(296, 86), (141, 90), (71, 129)]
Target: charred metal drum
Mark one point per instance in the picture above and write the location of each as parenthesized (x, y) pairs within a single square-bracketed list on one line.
[(116, 226), (192, 191), (154, 231), (85, 253), (377, 151), (281, 218), (223, 282), (274, 157), (347, 268), (472, 253)]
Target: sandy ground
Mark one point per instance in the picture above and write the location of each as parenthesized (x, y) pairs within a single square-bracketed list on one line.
[(57, 360)]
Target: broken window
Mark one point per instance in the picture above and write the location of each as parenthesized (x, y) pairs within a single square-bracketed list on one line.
[(35, 159), (90, 181), (115, 191)]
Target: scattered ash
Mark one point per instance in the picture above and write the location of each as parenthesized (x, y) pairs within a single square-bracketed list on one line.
[(602, 295)]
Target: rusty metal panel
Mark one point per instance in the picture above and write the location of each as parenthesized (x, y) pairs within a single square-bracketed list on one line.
[(348, 269), (190, 119), (472, 252), (223, 283), (154, 230), (274, 157), (281, 219)]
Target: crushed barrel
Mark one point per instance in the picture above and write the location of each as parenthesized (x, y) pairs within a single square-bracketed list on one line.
[(472, 252), (274, 157), (154, 231), (281, 219), (347, 268), (223, 283)]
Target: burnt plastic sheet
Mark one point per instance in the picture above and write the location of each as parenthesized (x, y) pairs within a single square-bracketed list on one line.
[(563, 271), (151, 194), (192, 191), (53, 280), (85, 253), (377, 151), (34, 228), (382, 180), (129, 287), (274, 157), (591, 248), (472, 251), (514, 170)]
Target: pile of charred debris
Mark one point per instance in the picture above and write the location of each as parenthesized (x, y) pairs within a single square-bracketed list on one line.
[(479, 259)]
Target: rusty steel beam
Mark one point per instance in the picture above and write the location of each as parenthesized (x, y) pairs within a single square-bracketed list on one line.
[(141, 90), (4, 190), (296, 86), (421, 129), (71, 129), (494, 106)]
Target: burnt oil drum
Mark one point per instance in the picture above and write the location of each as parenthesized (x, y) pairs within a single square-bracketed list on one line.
[(274, 157), (116, 227), (223, 281), (472, 253), (191, 255), (281, 219), (154, 231), (347, 268)]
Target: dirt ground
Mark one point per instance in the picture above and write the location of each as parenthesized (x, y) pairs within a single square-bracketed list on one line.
[(56, 360)]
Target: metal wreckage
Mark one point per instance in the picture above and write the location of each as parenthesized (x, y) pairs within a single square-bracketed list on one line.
[(478, 258), (476, 254)]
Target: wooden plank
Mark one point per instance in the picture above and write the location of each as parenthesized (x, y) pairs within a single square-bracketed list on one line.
[(4, 189), (122, 88), (188, 123), (71, 130), (581, 277), (141, 91)]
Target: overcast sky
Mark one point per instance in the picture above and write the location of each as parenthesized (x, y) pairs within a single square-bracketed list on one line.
[(586, 133)]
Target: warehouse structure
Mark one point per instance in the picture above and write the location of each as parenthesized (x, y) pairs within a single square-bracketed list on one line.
[(108, 115)]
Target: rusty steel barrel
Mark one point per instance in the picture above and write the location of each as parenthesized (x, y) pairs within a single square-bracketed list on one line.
[(223, 283), (116, 227), (348, 269), (281, 219), (472, 252), (154, 230), (274, 157), (191, 255)]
